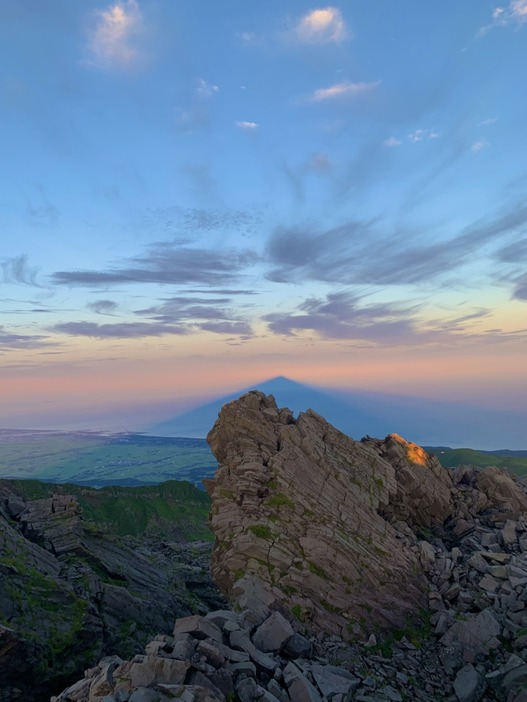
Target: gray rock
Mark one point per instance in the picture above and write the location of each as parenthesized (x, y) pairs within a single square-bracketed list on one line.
[(198, 627), (273, 633), (469, 685), (240, 640)]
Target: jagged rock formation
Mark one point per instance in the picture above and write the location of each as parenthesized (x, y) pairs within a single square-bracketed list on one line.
[(69, 592), (325, 528)]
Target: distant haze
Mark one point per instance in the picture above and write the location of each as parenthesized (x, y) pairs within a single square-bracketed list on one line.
[(376, 414)]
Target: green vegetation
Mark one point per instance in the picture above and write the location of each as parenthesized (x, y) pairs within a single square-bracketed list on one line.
[(317, 570), (513, 461), (94, 459), (134, 511), (280, 500), (262, 531)]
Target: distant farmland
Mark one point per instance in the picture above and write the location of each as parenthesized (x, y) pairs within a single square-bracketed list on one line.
[(98, 459)]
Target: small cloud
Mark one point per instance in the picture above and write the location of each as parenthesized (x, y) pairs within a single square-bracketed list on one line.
[(423, 135), (488, 122), (247, 126), (320, 163), (103, 306), (205, 89), (392, 142), (479, 146), (497, 12), (342, 90), (111, 41), (249, 39), (17, 270), (321, 26)]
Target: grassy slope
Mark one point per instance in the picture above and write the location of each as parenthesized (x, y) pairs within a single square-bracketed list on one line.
[(450, 458), (134, 511)]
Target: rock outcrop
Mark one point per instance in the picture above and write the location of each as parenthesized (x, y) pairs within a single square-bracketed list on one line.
[(326, 529)]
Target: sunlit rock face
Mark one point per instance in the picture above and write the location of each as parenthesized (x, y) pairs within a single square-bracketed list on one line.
[(309, 520)]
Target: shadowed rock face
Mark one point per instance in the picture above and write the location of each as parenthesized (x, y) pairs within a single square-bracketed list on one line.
[(306, 519)]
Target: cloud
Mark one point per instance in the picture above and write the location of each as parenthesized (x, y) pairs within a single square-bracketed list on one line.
[(121, 330), (111, 41), (361, 253), (423, 135), (342, 91), (479, 145), (321, 26), (206, 314), (249, 127), (520, 291), (103, 306), (9, 340), (167, 263), (206, 90), (17, 270), (346, 316), (319, 163), (515, 14), (392, 142)]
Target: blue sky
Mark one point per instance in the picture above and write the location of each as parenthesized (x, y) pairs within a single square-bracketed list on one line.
[(198, 195)]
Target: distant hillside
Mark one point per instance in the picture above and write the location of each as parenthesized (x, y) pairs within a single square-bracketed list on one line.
[(177, 508), (513, 461)]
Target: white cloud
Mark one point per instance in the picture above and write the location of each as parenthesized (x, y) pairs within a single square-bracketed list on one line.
[(342, 90), (518, 10), (321, 26), (247, 126), (111, 40), (489, 121), (423, 135), (392, 141), (479, 145), (206, 90), (515, 13)]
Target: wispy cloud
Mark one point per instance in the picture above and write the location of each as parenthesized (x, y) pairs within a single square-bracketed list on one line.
[(346, 316), (249, 127), (112, 40), (11, 340), (206, 90), (167, 263), (18, 271), (479, 145), (121, 330), (103, 306), (342, 90), (520, 290), (514, 14), (361, 253), (392, 142), (321, 26), (422, 135)]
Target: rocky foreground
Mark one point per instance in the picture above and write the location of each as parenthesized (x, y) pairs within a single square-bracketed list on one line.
[(356, 571)]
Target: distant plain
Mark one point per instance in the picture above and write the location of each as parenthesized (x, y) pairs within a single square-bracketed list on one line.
[(98, 460)]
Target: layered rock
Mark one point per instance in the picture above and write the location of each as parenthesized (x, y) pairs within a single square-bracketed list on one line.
[(303, 517), (327, 529)]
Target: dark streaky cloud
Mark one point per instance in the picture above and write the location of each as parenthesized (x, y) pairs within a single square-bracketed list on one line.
[(167, 264)]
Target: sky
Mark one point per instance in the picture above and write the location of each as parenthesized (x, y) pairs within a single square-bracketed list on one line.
[(196, 196)]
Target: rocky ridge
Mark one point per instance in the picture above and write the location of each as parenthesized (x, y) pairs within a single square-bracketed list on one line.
[(311, 522), (70, 592)]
